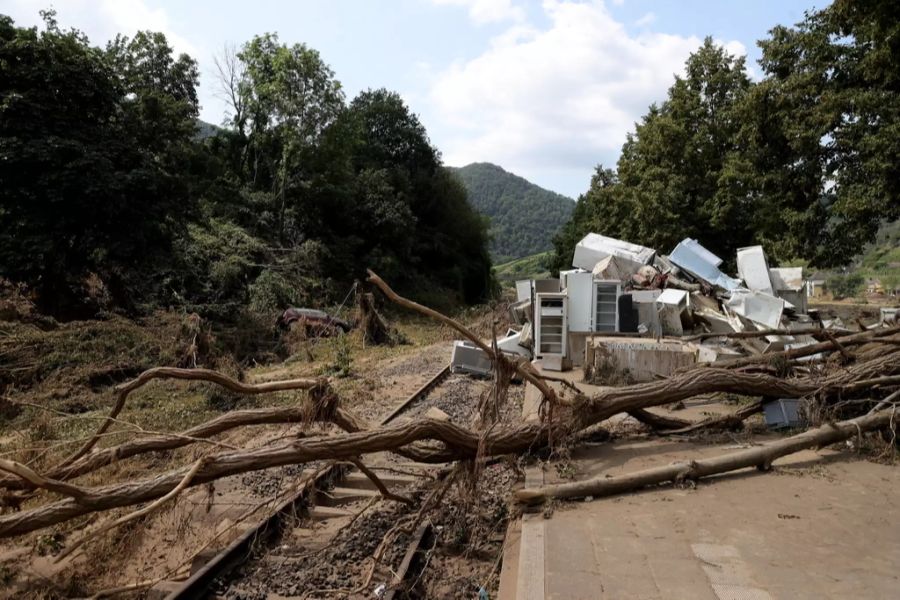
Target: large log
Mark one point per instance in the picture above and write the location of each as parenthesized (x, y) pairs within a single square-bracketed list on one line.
[(461, 442), (412, 439), (760, 456), (343, 447)]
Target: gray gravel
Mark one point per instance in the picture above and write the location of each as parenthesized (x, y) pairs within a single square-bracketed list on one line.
[(339, 566), (468, 524)]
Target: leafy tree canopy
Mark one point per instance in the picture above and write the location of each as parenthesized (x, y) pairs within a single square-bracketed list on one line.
[(87, 188), (804, 162), (109, 181)]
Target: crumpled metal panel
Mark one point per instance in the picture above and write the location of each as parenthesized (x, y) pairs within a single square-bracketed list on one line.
[(694, 258), (595, 247), (754, 269), (762, 309), (787, 278)]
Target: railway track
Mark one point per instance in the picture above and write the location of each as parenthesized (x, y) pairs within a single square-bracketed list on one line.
[(310, 518)]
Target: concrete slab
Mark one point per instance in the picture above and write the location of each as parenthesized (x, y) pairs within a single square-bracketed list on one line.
[(823, 525)]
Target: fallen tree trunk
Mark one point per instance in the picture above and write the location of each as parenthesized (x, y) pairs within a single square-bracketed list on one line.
[(761, 457), (522, 367), (411, 439), (730, 421), (856, 339), (467, 443), (462, 443), (457, 441), (659, 422)]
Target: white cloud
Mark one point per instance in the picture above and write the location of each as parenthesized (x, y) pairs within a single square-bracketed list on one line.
[(647, 19), (101, 20), (488, 11), (557, 99)]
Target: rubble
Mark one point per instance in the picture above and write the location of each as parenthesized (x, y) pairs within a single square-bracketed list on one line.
[(629, 309), (754, 270), (594, 247), (702, 265)]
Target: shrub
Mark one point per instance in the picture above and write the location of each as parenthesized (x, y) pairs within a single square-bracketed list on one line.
[(845, 286)]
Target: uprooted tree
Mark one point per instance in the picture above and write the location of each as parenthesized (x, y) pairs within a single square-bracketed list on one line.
[(859, 374)]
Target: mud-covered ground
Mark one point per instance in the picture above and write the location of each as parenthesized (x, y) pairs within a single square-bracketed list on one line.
[(468, 522)]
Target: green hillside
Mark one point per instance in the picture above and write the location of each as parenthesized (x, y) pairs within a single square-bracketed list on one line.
[(524, 217), (881, 259), (528, 267)]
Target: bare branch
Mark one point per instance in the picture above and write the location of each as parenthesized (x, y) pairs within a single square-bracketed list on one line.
[(134, 515), (523, 367), (39, 481), (141, 380), (386, 493)]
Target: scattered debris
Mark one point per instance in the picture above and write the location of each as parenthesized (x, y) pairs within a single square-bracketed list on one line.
[(619, 294)]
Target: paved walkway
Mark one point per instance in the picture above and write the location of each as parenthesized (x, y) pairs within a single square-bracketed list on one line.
[(823, 525)]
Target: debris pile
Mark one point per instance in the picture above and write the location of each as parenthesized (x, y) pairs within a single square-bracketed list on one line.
[(625, 312)]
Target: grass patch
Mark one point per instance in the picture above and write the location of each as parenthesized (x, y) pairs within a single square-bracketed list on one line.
[(529, 267)]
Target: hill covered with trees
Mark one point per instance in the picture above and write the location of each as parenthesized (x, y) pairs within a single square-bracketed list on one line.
[(524, 217), (114, 199), (805, 161)]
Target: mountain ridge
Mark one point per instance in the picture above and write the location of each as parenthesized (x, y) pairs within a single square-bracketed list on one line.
[(524, 217)]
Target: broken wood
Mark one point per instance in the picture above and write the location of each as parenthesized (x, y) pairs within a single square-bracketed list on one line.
[(522, 366), (659, 422), (856, 339), (375, 329), (454, 441), (424, 440), (131, 516), (382, 489), (761, 457)]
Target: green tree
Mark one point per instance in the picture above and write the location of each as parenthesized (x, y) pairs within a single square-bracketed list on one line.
[(288, 97), (161, 91), (680, 172), (845, 286), (404, 215), (85, 190), (827, 135)]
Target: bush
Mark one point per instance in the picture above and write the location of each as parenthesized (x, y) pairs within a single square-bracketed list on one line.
[(272, 292), (845, 286), (341, 364)]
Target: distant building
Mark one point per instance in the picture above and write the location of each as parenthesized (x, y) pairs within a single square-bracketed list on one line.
[(874, 287), (815, 287)]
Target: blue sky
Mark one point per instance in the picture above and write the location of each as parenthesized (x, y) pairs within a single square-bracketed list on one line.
[(546, 89)]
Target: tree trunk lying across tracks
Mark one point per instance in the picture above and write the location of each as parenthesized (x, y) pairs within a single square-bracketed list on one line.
[(760, 456), (453, 441), (458, 442)]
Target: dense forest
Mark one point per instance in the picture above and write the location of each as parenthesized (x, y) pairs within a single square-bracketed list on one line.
[(115, 199), (805, 161), (524, 217)]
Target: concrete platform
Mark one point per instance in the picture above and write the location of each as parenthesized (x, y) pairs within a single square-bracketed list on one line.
[(823, 525)]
